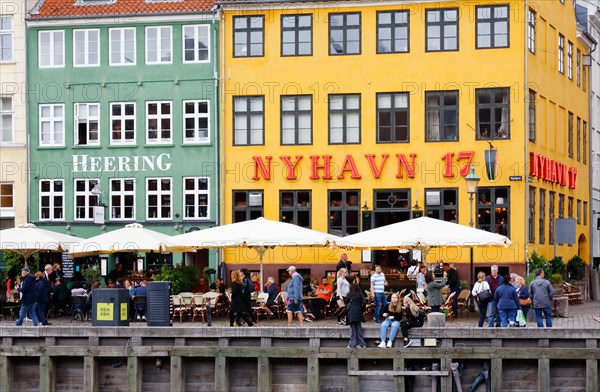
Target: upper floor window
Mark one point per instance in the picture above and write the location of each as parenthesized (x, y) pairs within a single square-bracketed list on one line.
[(247, 205), (122, 199), (6, 120), (296, 35), (248, 36), (159, 45), (442, 30), (578, 141), (195, 197), (344, 33), (159, 122), (492, 26), (441, 116), (393, 32), (532, 120), (442, 204), (493, 113), (51, 49), (531, 15), (344, 212), (295, 207), (159, 198), (578, 68), (86, 48), (87, 128), (196, 44), (6, 39), (195, 120), (52, 125), (392, 118), (542, 215), (584, 148), (7, 199), (531, 217), (344, 118), (570, 60), (122, 46), (296, 119), (52, 200), (561, 53), (85, 200), (248, 120), (570, 135), (122, 123)]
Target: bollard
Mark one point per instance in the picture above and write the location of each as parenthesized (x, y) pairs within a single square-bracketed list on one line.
[(436, 320)]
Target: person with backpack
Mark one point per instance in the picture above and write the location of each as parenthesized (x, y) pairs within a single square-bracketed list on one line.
[(247, 290), (415, 317)]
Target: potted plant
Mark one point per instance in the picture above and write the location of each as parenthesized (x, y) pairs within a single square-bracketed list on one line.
[(576, 273)]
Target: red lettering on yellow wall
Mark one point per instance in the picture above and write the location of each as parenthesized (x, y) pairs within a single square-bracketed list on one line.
[(573, 178), (403, 163), (291, 167), (542, 167), (468, 155), (533, 164), (549, 164), (376, 171), (350, 166), (549, 170), (447, 158), (265, 171), (315, 166)]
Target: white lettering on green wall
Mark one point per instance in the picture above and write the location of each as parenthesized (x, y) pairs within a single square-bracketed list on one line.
[(86, 163)]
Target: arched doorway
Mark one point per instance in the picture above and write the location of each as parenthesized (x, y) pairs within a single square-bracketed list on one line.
[(582, 248)]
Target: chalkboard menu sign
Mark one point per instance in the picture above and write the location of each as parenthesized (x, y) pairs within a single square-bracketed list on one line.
[(68, 267)]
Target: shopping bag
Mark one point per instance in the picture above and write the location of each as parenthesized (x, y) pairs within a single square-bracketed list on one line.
[(521, 321)]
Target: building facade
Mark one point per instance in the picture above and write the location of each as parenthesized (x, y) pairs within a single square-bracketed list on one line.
[(348, 117), (125, 118)]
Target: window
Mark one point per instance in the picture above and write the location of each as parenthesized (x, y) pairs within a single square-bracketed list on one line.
[(158, 122), (561, 206), (578, 68), (493, 113), (87, 118), (248, 36), (441, 116), (493, 210), (392, 118), (561, 53), (492, 26), (532, 119), (295, 207), (122, 46), (84, 199), (196, 44), (344, 33), (570, 207), (578, 212), (122, 199), (442, 204), (86, 48), (584, 148), (6, 120), (551, 197), (7, 199), (570, 135), (531, 15), (195, 120), (158, 198), (52, 125), (395, 199), (248, 121), (344, 119), (542, 215), (578, 142), (52, 200), (531, 215), (570, 60), (393, 32), (296, 119), (122, 123), (442, 30), (344, 212), (51, 49), (247, 205), (195, 197), (296, 35), (585, 205), (6, 39), (158, 45)]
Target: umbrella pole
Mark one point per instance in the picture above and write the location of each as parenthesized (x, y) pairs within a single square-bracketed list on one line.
[(261, 252)]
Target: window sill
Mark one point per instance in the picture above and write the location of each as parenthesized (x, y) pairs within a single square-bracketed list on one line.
[(152, 145), (87, 147)]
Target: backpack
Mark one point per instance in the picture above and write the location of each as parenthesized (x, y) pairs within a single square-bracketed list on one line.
[(247, 287)]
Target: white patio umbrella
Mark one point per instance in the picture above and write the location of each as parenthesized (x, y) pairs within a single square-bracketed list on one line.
[(131, 238), (260, 234), (27, 239)]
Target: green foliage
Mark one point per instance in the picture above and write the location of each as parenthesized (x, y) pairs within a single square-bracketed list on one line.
[(576, 269), (557, 279), (529, 278), (14, 261), (91, 274), (539, 261), (182, 278), (558, 266)]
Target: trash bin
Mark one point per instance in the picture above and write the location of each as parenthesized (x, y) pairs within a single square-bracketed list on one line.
[(159, 307), (110, 308)]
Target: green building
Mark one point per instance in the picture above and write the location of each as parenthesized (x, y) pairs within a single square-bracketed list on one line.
[(123, 113)]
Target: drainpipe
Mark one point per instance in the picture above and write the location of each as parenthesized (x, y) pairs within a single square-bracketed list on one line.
[(526, 135), (221, 167), (27, 122), (215, 31), (589, 154)]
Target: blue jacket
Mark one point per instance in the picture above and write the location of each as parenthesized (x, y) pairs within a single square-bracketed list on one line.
[(42, 289), (28, 290), (295, 288), (506, 297)]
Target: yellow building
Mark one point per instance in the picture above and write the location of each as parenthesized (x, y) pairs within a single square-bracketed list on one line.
[(351, 115)]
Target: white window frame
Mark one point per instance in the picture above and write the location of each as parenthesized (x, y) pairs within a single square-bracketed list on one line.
[(196, 117), (122, 119), (121, 42), (52, 120), (8, 211), (159, 117), (10, 114), (561, 53), (196, 192), (88, 49), (90, 199), (159, 193), (7, 33), (570, 60), (196, 36), (159, 47), (52, 37), (121, 194), (52, 194), (87, 120)]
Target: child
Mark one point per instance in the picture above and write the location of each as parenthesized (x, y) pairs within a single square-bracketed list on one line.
[(354, 305)]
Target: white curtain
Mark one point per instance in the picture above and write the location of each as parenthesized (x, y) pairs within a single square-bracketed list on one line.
[(433, 119), (505, 118)]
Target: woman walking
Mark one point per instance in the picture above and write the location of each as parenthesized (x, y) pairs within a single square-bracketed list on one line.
[(343, 287), (481, 286), (392, 318), (508, 303), (354, 305), (237, 305)]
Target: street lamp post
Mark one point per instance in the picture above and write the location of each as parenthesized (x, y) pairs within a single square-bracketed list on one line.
[(472, 180)]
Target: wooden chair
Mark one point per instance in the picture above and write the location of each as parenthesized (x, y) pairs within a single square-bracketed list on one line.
[(447, 307), (198, 307), (279, 307), (328, 309), (258, 308), (178, 307), (463, 301)]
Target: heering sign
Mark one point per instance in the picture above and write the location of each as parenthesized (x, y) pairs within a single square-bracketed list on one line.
[(87, 163)]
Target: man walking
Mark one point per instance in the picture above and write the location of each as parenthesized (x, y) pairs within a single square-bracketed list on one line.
[(495, 281), (378, 284), (542, 293), (28, 298), (454, 284), (295, 306)]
